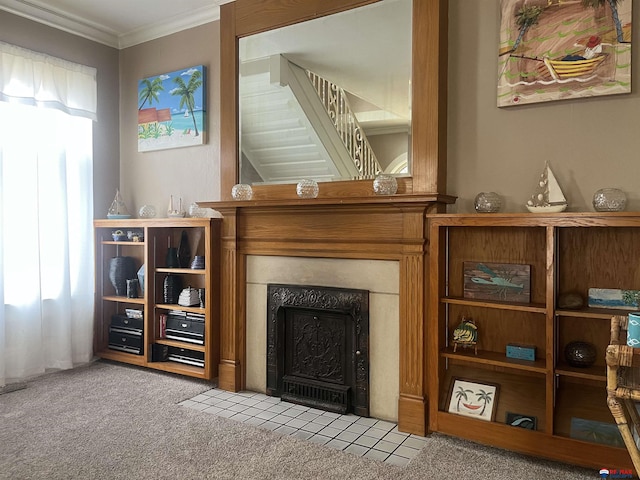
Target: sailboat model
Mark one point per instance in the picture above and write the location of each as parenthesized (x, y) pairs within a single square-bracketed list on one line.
[(548, 197), (118, 209)]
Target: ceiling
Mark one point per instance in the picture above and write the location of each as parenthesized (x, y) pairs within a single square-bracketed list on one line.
[(118, 23)]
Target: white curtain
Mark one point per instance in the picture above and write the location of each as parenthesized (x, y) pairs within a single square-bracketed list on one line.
[(46, 213)]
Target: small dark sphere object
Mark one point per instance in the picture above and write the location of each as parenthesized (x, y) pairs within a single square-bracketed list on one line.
[(580, 354)]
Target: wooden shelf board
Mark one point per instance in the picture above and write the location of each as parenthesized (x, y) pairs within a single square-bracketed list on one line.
[(521, 307), (122, 357), (534, 443), (152, 222), (496, 359), (179, 368), (597, 373), (115, 298), (176, 343), (113, 242), (603, 313), (192, 271), (175, 306)]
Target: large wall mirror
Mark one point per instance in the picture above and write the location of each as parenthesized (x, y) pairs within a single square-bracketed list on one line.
[(405, 98), (327, 99)]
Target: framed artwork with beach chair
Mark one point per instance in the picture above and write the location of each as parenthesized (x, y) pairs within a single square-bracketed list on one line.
[(563, 49), (171, 109)]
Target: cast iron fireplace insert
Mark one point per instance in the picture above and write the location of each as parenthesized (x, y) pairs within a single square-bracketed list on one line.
[(318, 347)]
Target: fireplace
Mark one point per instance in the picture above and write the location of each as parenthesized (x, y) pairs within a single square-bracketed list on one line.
[(318, 347)]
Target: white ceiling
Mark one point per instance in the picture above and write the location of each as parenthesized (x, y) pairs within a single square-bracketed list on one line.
[(118, 23)]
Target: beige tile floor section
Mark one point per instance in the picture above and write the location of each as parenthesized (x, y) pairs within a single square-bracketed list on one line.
[(365, 437)]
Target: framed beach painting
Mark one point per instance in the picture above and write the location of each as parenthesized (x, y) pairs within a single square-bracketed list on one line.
[(171, 110), (473, 399), (563, 49)]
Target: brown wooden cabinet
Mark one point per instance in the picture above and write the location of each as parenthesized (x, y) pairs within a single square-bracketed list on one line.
[(567, 253), (151, 346)]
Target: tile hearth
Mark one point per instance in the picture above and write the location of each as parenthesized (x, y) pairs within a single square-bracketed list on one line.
[(365, 437)]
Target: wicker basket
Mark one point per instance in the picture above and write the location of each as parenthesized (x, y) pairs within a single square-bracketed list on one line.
[(623, 386)]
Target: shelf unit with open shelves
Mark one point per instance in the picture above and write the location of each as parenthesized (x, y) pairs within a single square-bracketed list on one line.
[(203, 235), (567, 253)]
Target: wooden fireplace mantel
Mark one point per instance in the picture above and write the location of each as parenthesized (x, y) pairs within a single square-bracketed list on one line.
[(375, 228)]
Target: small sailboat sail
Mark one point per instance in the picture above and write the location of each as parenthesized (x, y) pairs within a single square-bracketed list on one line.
[(186, 113), (118, 209), (548, 196)]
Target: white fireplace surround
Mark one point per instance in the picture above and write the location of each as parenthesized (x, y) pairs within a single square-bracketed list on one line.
[(380, 277)]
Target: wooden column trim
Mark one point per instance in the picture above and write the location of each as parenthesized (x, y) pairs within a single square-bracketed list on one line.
[(412, 402), (232, 307), (228, 100)]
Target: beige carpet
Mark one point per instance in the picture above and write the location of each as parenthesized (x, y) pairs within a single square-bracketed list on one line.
[(112, 421)]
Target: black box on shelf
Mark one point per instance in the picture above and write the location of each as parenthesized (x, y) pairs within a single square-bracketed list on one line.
[(185, 327), (126, 334), (159, 353), (189, 357), (124, 321), (126, 341)]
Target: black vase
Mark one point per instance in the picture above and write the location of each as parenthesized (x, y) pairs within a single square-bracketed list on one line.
[(172, 258), (184, 250), (121, 269), (171, 288)]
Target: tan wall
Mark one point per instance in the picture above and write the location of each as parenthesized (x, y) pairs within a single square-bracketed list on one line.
[(191, 172), (590, 143), (106, 133)]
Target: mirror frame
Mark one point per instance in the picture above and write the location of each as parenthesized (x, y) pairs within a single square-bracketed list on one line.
[(428, 92)]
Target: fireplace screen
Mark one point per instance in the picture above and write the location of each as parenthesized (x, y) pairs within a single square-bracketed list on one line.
[(318, 347)]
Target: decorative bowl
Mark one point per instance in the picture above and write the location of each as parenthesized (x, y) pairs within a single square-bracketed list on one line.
[(609, 200), (580, 354), (119, 236), (242, 191), (487, 202), (147, 211), (307, 189), (385, 185)]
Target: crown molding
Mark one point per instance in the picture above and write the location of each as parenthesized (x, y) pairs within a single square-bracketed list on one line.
[(178, 23), (62, 21), (70, 23)]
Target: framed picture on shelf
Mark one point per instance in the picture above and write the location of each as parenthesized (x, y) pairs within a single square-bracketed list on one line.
[(473, 399), (528, 422), (606, 433), (500, 282)]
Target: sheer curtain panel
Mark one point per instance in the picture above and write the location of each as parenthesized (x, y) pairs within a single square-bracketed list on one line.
[(46, 212)]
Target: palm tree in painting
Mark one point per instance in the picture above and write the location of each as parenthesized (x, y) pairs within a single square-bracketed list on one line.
[(484, 397), (187, 93), (150, 91), (526, 17), (613, 4), (461, 394)]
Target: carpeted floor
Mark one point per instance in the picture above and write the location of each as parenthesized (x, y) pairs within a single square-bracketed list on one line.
[(112, 421)]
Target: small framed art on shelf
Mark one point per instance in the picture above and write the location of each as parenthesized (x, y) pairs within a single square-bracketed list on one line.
[(473, 399)]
